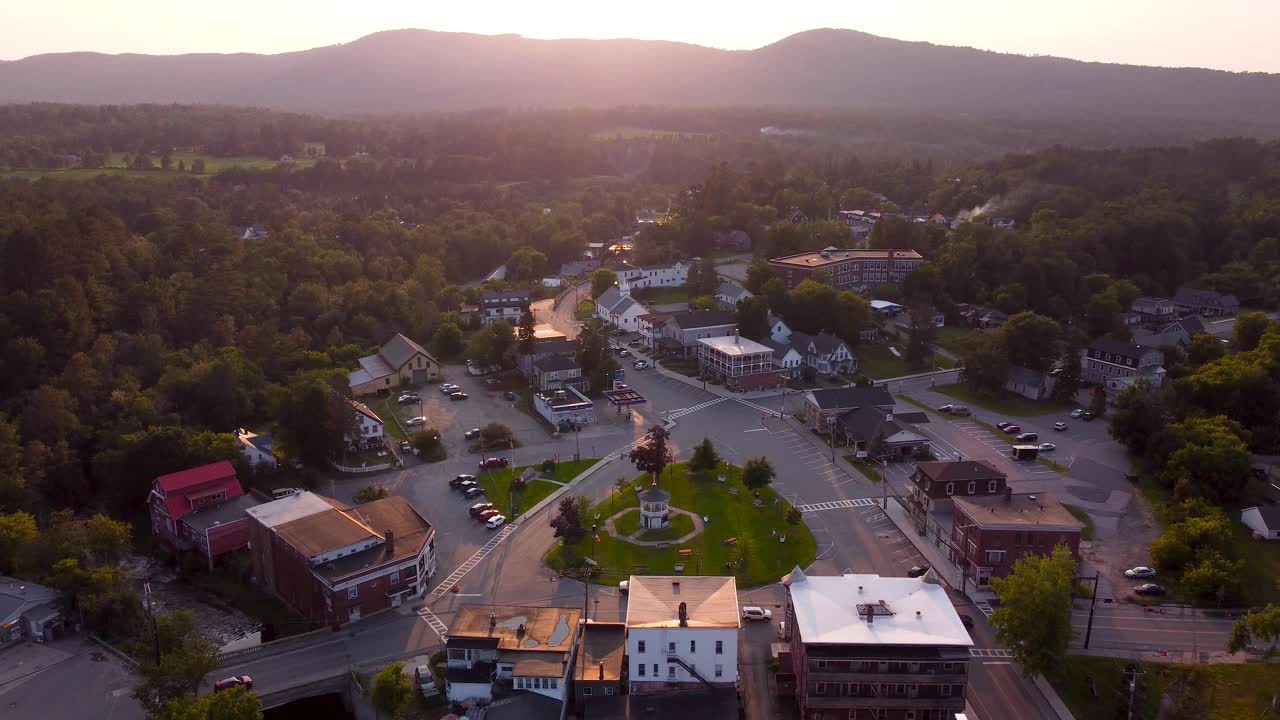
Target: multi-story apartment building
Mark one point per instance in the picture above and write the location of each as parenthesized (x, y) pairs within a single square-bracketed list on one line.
[(1115, 364), (682, 632), (848, 269), (989, 534), (676, 273), (935, 484), (740, 363), (867, 647), (507, 305)]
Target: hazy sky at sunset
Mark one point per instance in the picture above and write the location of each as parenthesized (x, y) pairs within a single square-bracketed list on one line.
[(1226, 34)]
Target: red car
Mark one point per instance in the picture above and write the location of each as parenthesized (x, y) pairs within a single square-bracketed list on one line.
[(1013, 429), (494, 462), (234, 681)]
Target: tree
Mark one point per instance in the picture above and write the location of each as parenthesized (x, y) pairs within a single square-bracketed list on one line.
[(527, 339), (651, 454), (1248, 330), (596, 359), (759, 273), (1067, 383), (526, 264), (1032, 341), (368, 494), (1034, 616), (391, 688), (703, 302), (197, 166), (568, 521), (495, 435), (17, 531), (602, 280), (1260, 626), (702, 279), (185, 657), (448, 340), (1139, 413), (986, 362), (704, 458), (809, 306), (758, 472), (753, 317), (314, 416), (490, 345), (850, 315), (920, 337), (429, 444), (1211, 460), (1098, 403), (237, 703)]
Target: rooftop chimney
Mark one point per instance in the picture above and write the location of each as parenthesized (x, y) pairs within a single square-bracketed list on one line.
[(391, 542), (601, 669), (493, 620), (736, 339), (684, 615)]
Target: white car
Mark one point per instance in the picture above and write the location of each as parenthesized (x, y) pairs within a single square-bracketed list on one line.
[(449, 389), (751, 612), (495, 522), (416, 421), (624, 585), (1048, 447), (640, 364), (1140, 572), (1077, 413)]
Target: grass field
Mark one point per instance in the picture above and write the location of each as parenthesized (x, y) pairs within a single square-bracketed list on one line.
[(680, 526), (585, 310), (877, 363), (952, 338), (662, 295), (869, 472), (628, 523), (757, 558), (115, 166), (1003, 402), (497, 485)]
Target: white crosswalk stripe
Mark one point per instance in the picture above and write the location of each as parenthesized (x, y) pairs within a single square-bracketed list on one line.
[(433, 622), (472, 561), (836, 505), (985, 608), (989, 653), (761, 408), (685, 411)]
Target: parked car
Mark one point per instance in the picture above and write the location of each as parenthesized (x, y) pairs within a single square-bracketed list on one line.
[(640, 364), (458, 395), (1048, 447), (458, 481), (623, 352), (425, 680), (1011, 429), (509, 395), (624, 585), (917, 571), (449, 389), (495, 522), (1003, 424), (471, 492), (471, 434), (484, 516), (1151, 589), (1027, 437), (1141, 571), (1059, 426), (406, 446), (464, 485), (478, 508), (1086, 416), (286, 492), (234, 681), (490, 382), (945, 408), (752, 612), (493, 462), (416, 421), (620, 332), (1077, 413), (960, 411), (408, 399)]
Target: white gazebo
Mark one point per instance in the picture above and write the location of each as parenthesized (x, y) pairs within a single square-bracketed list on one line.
[(655, 508)]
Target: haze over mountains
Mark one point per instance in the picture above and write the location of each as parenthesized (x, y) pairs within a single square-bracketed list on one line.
[(427, 71)]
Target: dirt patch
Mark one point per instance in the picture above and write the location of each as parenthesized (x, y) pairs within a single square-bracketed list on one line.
[(221, 624), (1121, 542)]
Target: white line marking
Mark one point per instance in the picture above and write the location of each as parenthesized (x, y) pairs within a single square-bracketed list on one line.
[(835, 505), (433, 622), (471, 562)]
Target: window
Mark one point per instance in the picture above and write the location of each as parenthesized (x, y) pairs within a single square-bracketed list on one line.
[(944, 690), (951, 488), (973, 487), (671, 648), (641, 668), (719, 670), (586, 692), (911, 715), (353, 592), (519, 683), (655, 669), (820, 689), (640, 647), (395, 577), (991, 486), (995, 557), (693, 646), (555, 683), (671, 672), (719, 647), (899, 689), (608, 691)]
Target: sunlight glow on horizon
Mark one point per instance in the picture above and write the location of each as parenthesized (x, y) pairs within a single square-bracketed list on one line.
[(1229, 35)]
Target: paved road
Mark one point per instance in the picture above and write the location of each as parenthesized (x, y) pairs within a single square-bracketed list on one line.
[(67, 679), (562, 318), (1127, 627)]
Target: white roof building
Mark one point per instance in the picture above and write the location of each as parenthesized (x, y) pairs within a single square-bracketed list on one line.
[(682, 632), (904, 611)]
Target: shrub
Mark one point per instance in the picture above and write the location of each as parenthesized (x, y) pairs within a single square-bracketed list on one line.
[(369, 493)]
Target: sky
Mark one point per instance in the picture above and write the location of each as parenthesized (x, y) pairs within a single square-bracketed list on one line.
[(1224, 34)]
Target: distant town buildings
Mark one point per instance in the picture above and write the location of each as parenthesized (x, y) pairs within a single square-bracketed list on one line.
[(858, 270)]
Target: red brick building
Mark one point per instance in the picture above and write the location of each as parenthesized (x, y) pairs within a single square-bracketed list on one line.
[(335, 563), (858, 270), (935, 484), (201, 510), (990, 534)]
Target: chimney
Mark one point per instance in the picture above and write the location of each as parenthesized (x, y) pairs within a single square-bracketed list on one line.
[(493, 621), (391, 542), (601, 669), (684, 615), (735, 337)]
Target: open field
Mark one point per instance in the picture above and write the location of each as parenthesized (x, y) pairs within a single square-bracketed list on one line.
[(497, 485), (1095, 688), (1003, 402)]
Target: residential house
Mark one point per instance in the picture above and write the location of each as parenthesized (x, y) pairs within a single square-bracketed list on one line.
[(255, 448), (886, 308), (797, 216), (872, 432), (1030, 384), (1108, 359), (822, 407), (491, 650), (1263, 520), (595, 251), (201, 509), (860, 222), (669, 275), (680, 334), (1130, 319), (785, 357), (509, 305), (28, 612), (729, 293), (646, 217), (732, 240), (868, 647), (554, 371), (682, 632), (469, 314), (858, 270), (334, 563), (616, 307), (740, 363), (399, 361), (990, 534), (543, 349), (1003, 223), (1178, 332), (551, 281), (935, 484), (598, 669), (369, 431), (1207, 303), (778, 329), (825, 353), (650, 326), (1154, 309), (255, 232)]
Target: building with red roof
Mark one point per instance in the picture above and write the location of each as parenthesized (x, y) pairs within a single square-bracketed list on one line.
[(201, 509)]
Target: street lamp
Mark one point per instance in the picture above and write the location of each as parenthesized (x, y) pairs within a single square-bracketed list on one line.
[(594, 538)]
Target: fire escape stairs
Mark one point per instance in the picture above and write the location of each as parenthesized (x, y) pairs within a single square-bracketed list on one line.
[(680, 661)]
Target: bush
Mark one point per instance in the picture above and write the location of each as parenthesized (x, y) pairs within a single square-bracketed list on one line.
[(369, 493), (548, 465), (794, 516), (429, 445), (495, 435)]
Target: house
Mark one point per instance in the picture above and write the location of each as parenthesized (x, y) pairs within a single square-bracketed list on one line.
[(825, 353), (255, 448), (732, 240), (740, 363), (670, 275), (1108, 359), (779, 331), (1263, 520), (858, 270), (680, 334), (823, 407), (1178, 332), (368, 431), (989, 534), (509, 305), (677, 624), (1205, 302), (468, 314), (1130, 319), (646, 217), (934, 484), (1154, 309), (650, 327), (255, 232), (494, 649), (785, 357), (616, 307), (565, 406), (334, 563), (595, 251), (1030, 384), (579, 268), (871, 432), (886, 308), (28, 612), (543, 349), (551, 282), (729, 293), (867, 646), (1003, 223), (597, 671), (860, 222), (399, 361), (796, 216), (554, 371), (201, 509)]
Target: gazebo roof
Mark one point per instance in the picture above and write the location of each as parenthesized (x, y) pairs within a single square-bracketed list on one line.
[(655, 494)]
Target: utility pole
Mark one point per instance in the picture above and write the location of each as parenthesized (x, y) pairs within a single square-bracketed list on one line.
[(155, 629), (1093, 601)]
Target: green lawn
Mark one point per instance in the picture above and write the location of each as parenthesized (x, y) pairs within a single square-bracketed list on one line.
[(953, 338), (497, 485), (877, 363), (1258, 583), (869, 472), (757, 558), (1210, 692), (680, 526), (628, 523), (389, 410), (662, 295), (585, 310), (1003, 402), (1083, 517)]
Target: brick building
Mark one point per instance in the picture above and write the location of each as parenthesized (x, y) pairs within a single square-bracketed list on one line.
[(989, 534), (335, 563), (858, 270), (934, 484), (201, 510)]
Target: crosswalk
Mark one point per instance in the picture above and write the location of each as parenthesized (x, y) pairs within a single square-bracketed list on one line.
[(433, 622), (836, 505), (675, 414), (472, 561), (990, 653), (761, 408), (985, 607)]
